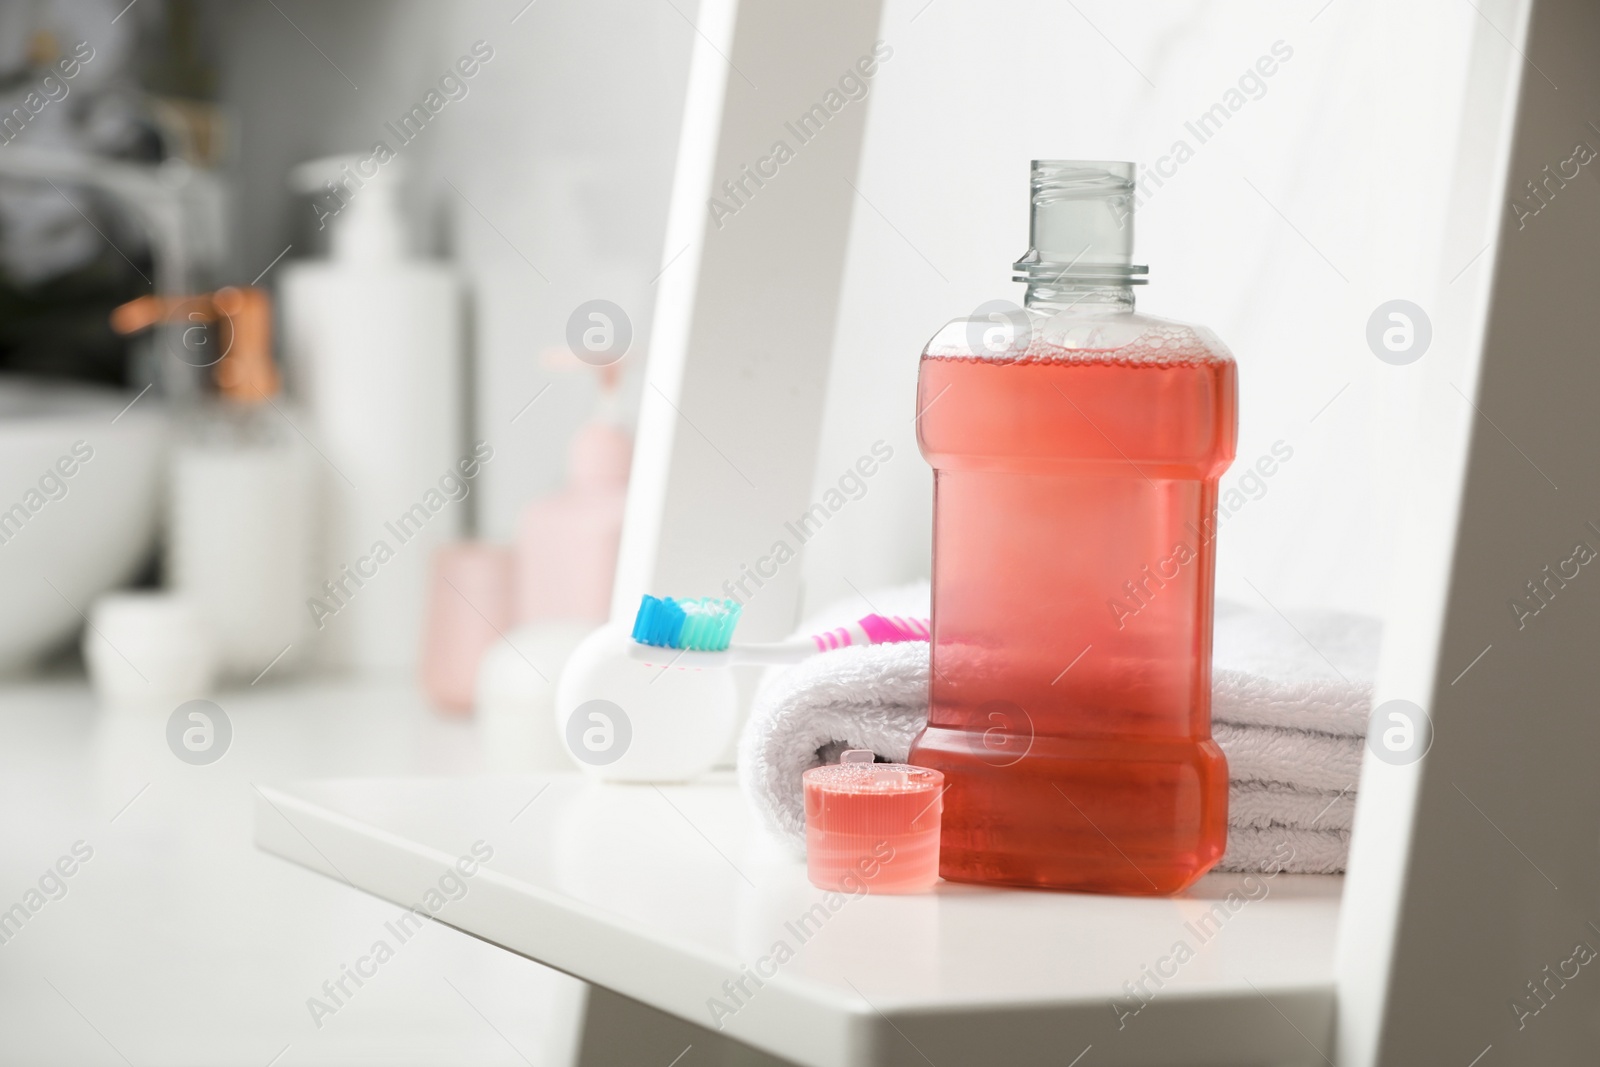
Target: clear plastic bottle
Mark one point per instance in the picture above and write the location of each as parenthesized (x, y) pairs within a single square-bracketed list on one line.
[(1076, 447)]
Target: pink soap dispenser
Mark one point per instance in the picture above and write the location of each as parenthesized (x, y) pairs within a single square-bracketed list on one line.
[(567, 543)]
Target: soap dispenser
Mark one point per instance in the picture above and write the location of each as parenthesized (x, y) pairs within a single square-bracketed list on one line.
[(238, 519), (373, 345), (567, 543)]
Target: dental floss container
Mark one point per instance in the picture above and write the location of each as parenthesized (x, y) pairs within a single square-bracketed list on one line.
[(622, 720)]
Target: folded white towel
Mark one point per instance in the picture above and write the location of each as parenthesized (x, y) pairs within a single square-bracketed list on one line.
[(1259, 806), (1289, 710), (1313, 672), (1298, 759), (1307, 851)]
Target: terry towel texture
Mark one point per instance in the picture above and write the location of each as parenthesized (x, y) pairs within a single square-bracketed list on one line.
[(1290, 699)]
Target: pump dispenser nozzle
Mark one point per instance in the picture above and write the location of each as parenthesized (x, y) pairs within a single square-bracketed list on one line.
[(360, 201)]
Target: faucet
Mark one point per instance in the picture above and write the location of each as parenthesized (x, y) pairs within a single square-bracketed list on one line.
[(181, 208)]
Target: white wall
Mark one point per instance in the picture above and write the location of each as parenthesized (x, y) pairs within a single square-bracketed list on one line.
[(562, 153), (1351, 142)]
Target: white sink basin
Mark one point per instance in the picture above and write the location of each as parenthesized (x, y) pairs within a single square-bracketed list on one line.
[(83, 532)]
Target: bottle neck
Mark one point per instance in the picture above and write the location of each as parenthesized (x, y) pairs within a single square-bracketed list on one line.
[(1080, 238), (1063, 296)]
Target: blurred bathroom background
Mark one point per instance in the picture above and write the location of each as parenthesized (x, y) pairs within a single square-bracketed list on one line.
[(537, 184), (163, 161)]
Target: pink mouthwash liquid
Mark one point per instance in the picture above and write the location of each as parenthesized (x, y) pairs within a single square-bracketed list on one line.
[(1075, 483)]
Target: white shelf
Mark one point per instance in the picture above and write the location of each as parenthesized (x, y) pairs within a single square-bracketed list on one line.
[(663, 894)]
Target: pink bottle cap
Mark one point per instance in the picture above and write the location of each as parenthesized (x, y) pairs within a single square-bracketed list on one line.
[(872, 826)]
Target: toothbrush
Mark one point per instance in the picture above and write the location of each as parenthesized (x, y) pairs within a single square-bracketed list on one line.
[(697, 632)]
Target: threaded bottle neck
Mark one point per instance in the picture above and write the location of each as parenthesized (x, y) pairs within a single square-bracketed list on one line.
[(1080, 230)]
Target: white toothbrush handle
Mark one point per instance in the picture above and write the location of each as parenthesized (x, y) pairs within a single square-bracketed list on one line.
[(778, 653), (870, 630)]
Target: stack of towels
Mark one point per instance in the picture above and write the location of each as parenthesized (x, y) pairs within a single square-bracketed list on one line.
[(1290, 700)]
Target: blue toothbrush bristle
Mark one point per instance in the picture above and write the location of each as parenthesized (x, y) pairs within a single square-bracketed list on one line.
[(701, 624), (659, 622)]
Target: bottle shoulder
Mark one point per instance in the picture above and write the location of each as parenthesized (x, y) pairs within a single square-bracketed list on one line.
[(1005, 332)]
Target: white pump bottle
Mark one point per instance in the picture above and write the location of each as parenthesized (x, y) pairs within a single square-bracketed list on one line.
[(373, 345)]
